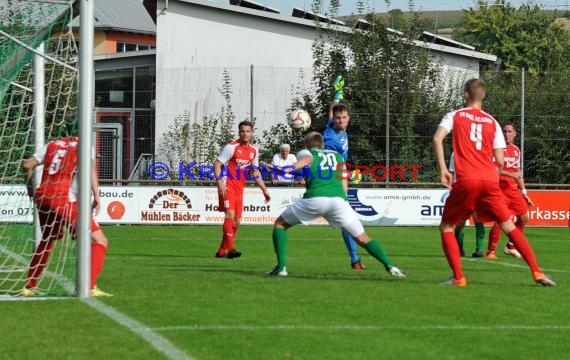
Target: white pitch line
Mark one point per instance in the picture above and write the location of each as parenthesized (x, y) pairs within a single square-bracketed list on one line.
[(157, 341), (363, 327), (33, 298), (496, 262)]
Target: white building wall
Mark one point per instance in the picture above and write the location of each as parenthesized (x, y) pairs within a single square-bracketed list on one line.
[(456, 70), (201, 36), (197, 40), (196, 43)]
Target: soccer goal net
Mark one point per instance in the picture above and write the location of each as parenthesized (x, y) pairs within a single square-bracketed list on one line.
[(38, 101)]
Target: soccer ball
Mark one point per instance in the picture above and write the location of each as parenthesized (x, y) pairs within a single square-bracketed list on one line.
[(300, 120)]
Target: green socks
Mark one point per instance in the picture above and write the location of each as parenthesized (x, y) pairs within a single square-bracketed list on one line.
[(373, 247), (280, 246), (479, 235)]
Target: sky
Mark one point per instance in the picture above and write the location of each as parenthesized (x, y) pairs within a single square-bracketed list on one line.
[(348, 6)]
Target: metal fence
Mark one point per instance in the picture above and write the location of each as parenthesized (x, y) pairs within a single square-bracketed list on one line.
[(190, 97)]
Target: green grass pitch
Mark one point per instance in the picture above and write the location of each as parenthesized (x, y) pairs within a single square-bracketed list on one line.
[(167, 278)]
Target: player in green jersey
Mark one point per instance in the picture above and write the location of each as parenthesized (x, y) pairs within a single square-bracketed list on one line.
[(325, 196)]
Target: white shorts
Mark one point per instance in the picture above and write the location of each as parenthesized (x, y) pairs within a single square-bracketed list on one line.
[(335, 210)]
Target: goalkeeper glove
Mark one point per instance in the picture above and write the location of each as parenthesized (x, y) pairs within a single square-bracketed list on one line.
[(356, 177), (338, 87)]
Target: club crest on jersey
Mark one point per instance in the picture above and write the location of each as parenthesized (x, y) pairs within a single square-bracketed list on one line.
[(251, 156)]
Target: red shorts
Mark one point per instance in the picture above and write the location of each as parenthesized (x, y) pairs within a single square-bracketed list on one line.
[(483, 196), (515, 201), (233, 201), (57, 215)]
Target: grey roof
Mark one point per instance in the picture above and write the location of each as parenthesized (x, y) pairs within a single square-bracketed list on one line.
[(293, 20), (121, 15), (438, 39)]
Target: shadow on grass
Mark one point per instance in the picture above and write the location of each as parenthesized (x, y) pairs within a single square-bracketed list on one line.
[(379, 275), (146, 255)]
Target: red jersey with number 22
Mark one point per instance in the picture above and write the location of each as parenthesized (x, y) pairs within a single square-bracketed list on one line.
[(60, 163), (512, 156), (475, 135)]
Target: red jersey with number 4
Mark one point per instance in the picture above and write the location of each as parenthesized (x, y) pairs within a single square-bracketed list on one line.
[(237, 157), (59, 158), (512, 156), (475, 135)]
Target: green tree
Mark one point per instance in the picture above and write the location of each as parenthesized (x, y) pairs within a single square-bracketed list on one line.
[(547, 128), (199, 142), (527, 38), (522, 38), (387, 78), (397, 19)]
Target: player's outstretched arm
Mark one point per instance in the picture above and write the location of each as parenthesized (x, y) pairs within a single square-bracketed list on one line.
[(445, 175), (299, 164), (338, 86)]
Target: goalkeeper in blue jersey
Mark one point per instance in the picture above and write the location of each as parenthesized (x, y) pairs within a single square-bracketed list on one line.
[(336, 138)]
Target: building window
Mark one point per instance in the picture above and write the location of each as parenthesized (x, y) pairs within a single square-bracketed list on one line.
[(114, 88), (124, 47)]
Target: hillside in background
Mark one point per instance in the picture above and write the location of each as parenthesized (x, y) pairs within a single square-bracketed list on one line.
[(443, 21)]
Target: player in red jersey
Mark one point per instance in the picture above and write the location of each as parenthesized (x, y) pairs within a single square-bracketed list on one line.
[(56, 201), (477, 138), (238, 161), (512, 183)]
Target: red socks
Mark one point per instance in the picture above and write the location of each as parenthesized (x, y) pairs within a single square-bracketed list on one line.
[(227, 236), (451, 250), (41, 256), (510, 245), (232, 240), (494, 237), (522, 245), (98, 251), (39, 262)]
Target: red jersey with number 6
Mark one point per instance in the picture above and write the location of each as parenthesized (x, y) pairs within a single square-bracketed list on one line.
[(475, 135), (59, 158)]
